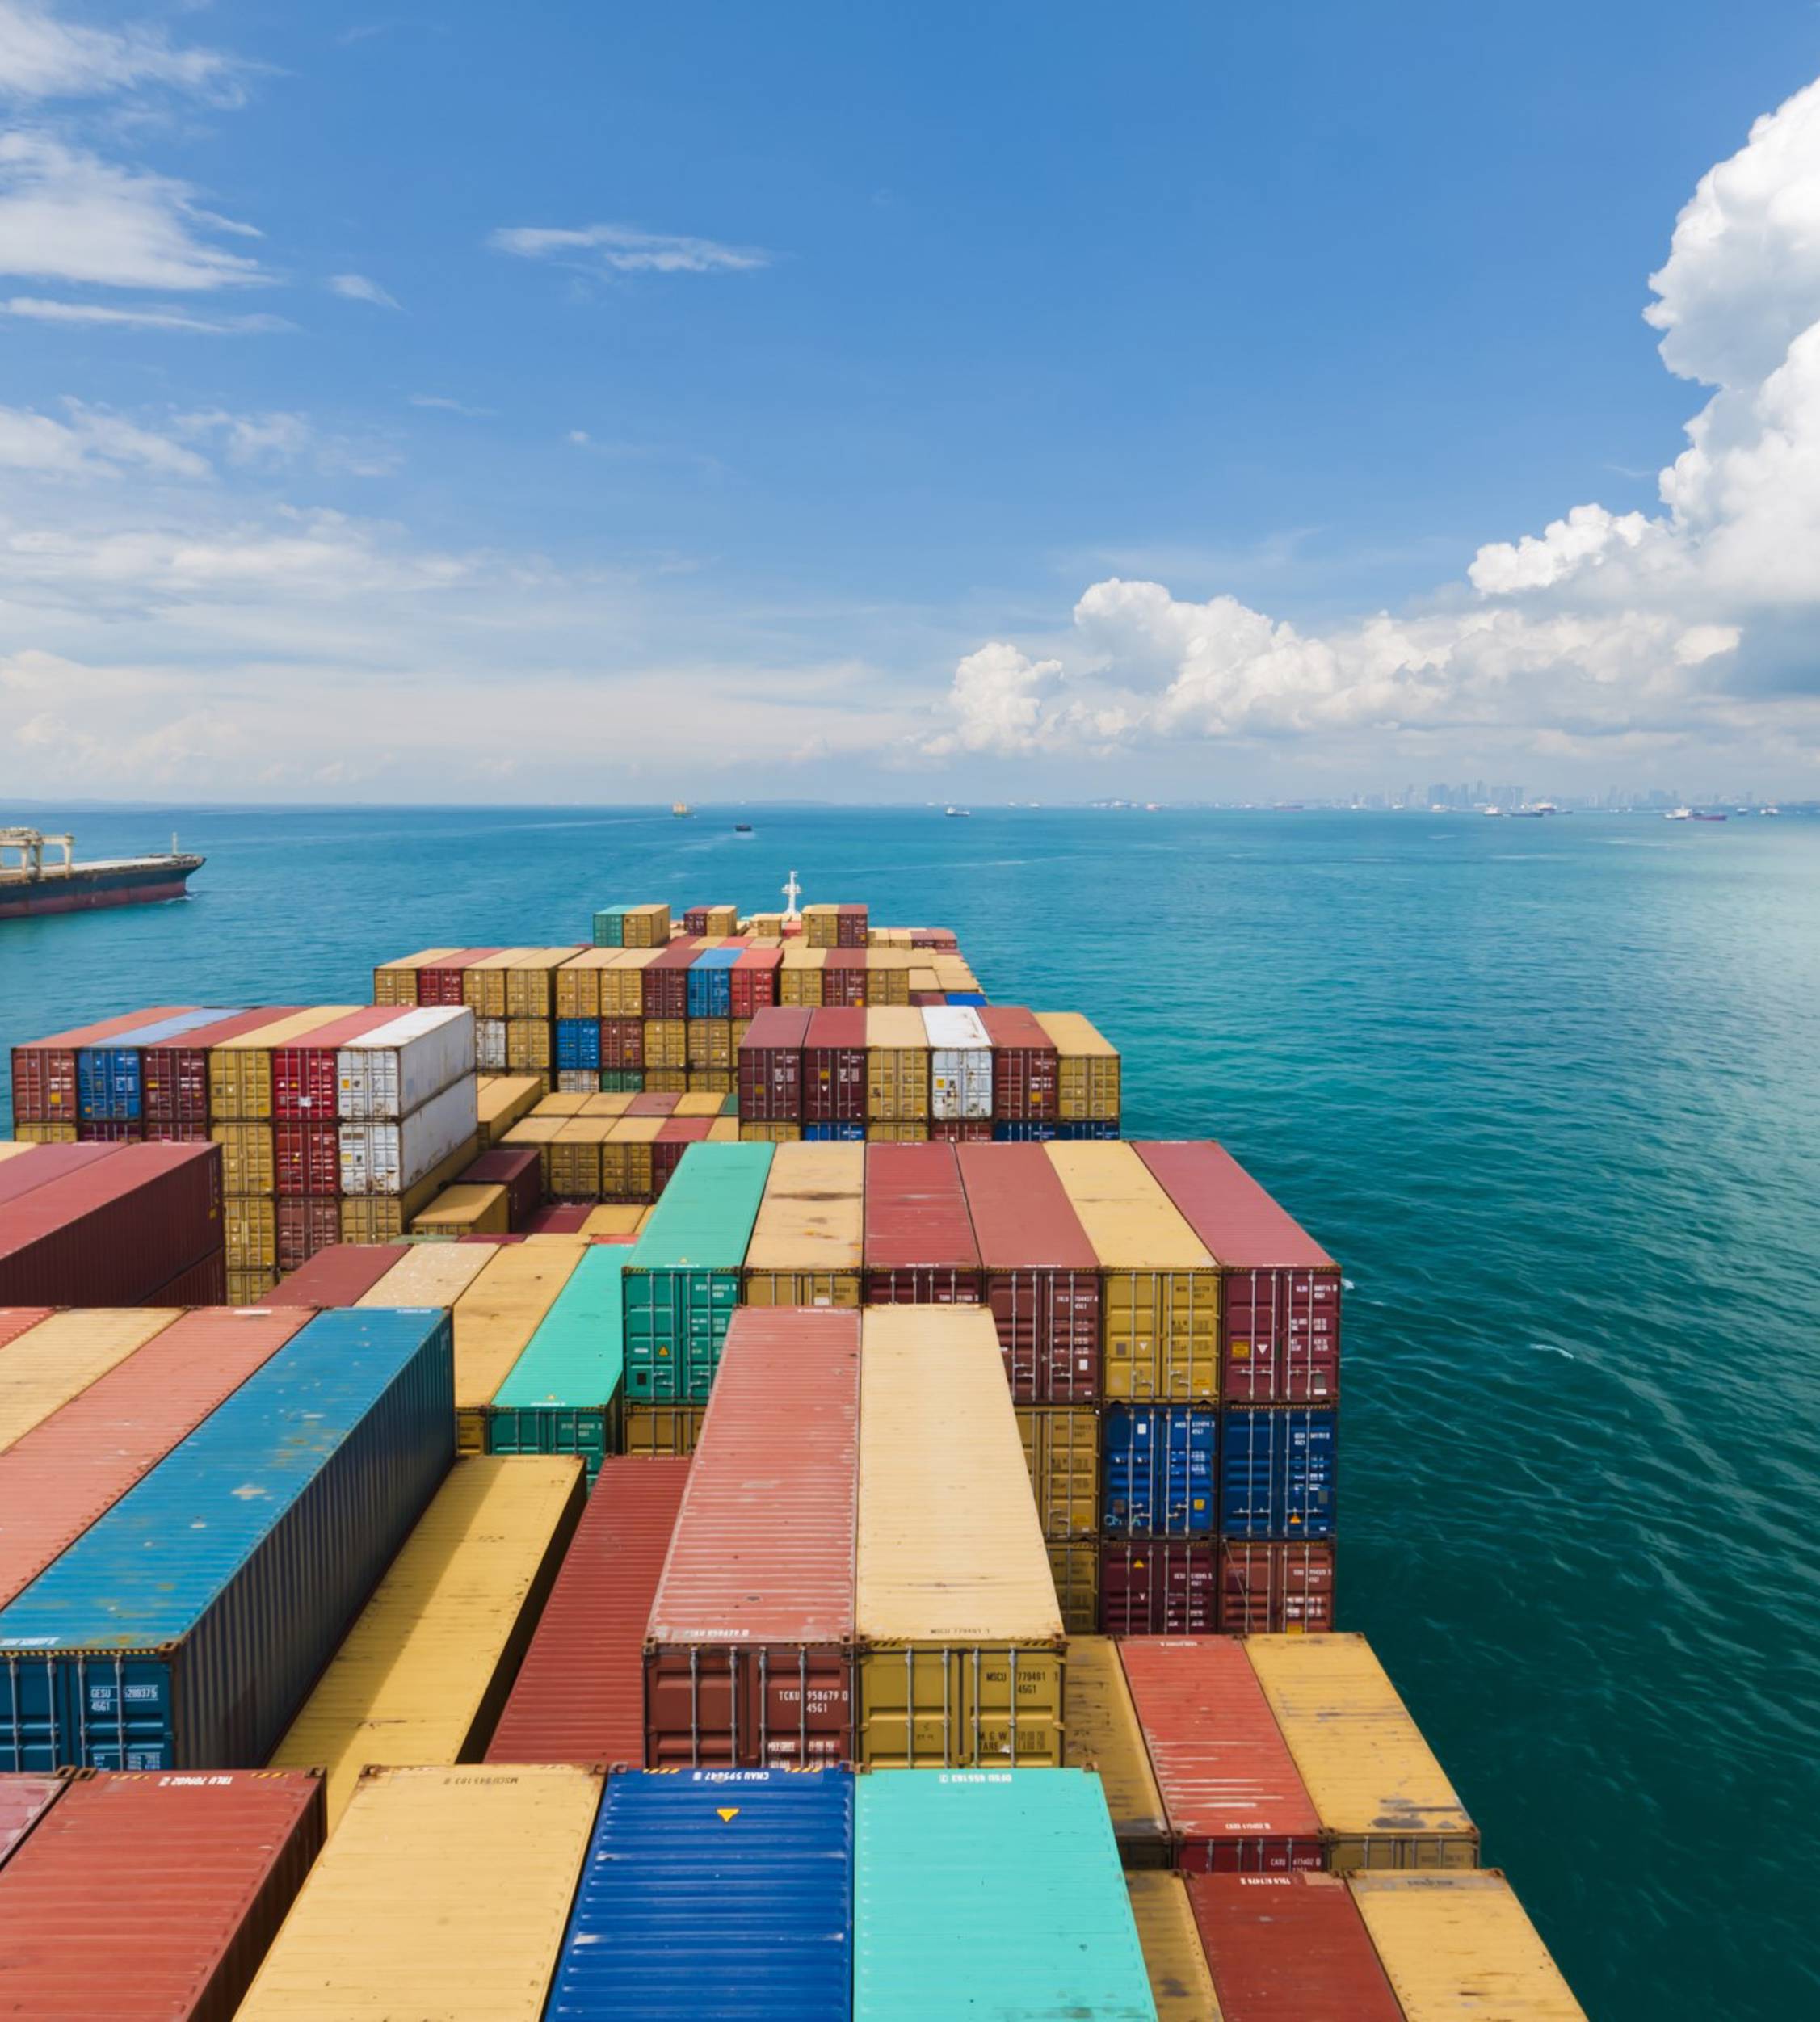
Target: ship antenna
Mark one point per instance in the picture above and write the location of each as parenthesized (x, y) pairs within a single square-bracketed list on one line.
[(793, 892)]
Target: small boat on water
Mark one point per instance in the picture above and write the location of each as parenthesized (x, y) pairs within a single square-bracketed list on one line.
[(30, 885), (958, 813), (742, 828), (681, 810)]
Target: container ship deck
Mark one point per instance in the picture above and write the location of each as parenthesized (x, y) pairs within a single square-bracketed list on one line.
[(29, 885)]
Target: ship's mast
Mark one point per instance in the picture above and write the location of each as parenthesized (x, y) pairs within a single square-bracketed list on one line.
[(793, 892)]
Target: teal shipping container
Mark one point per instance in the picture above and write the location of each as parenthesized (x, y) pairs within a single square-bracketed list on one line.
[(609, 927), (565, 1391), (682, 1278), (992, 1892)]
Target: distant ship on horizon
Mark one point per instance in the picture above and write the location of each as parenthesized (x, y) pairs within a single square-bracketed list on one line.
[(29, 885)]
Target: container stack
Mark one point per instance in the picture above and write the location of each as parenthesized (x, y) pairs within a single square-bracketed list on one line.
[(117, 1224)]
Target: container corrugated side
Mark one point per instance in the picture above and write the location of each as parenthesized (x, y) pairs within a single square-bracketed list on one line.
[(179, 1630), (396, 1068), (423, 1674), (1041, 1274), (49, 1363), (443, 1893), (662, 1429), (1180, 1984), (808, 1241), (395, 981), (992, 1895), (1087, 1068), (1382, 1799), (495, 1320), (1103, 1734), (1286, 1948), (1270, 1587), (920, 1249), (391, 1157), (43, 1079), (1061, 1451), (749, 1655), (564, 1393), (1459, 1946), (956, 1616), (113, 1233), (239, 1088)]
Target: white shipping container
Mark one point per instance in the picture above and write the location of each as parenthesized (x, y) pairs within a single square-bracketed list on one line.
[(577, 1081), (391, 1156), (489, 1045), (398, 1066), (959, 1062)]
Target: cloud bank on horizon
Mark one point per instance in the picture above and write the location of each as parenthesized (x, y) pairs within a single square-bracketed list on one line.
[(1619, 632)]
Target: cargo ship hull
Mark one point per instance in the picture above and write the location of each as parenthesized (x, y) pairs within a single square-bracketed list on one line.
[(89, 886)]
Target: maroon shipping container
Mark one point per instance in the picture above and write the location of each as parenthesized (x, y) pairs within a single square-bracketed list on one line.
[(44, 1072), (17, 1320), (306, 1158), (833, 1070), (109, 1130), (666, 978), (204, 1284), (749, 1657), (658, 1102), (1270, 1589), (303, 1083), (920, 997), (1280, 1291), (673, 1139), (1156, 1587), (340, 1274), (934, 937), (771, 1066), (31, 1170), (155, 1897), (306, 1224), (754, 981), (111, 1235), (961, 1130), (1026, 1068), (1041, 1274), (71, 1468), (843, 978), (1235, 1802), (173, 1078), (919, 1247), (520, 1170), (580, 1693), (622, 1044), (1288, 1948), (193, 1132), (440, 983), (24, 1799), (561, 1218), (851, 926)]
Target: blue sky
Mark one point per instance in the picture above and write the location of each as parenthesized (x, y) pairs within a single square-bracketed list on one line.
[(595, 400)]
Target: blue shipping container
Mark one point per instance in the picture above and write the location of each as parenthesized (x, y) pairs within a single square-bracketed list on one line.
[(1098, 1132), (182, 1630), (1159, 1469), (714, 1891), (109, 1084), (577, 1042), (974, 997), (834, 1133), (710, 983), (1277, 1470), (1036, 1134)]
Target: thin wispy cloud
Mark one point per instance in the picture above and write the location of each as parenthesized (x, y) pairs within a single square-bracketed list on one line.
[(442, 403), (356, 287), (621, 249), (42, 57), (37, 309)]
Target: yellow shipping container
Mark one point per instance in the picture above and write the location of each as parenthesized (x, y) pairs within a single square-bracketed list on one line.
[(662, 1428), (625, 1158), (250, 1231), (622, 985), (710, 1042), (1180, 1984), (923, 979), (423, 1673), (384, 1217), (822, 925), (247, 1166), (443, 1897), (565, 1102), (667, 1081), (574, 1159), (1074, 1567), (723, 1130), (529, 1044), (250, 1287), (1459, 1946), (1087, 1078), (395, 982), (538, 1131), (764, 927), (1103, 1734), (465, 1211), (646, 926), (49, 1364), (504, 1099), (956, 1606), (495, 1318), (1061, 1451), (697, 1104), (896, 1134), (577, 981), (722, 920), (1376, 1788), (718, 1081), (619, 1218), (666, 1043), (45, 1133), (805, 1248), (1160, 1304), (897, 1066), (483, 989), (798, 976), (240, 1070), (529, 981), (609, 1103), (430, 1274), (769, 1133)]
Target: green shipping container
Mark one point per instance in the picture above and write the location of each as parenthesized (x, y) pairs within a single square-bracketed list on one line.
[(609, 927), (682, 1278), (564, 1393), (622, 1081), (991, 1891)]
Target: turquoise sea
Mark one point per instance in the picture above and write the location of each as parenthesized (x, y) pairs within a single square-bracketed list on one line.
[(1551, 1092)]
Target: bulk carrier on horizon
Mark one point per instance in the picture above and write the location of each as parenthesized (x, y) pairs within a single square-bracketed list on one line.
[(29, 885)]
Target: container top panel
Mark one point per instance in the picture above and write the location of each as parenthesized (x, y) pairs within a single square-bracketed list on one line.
[(172, 1025), (1459, 1946), (896, 1026), (426, 1274), (103, 1029), (576, 1359), (1240, 1224), (780, 1027), (704, 1220), (1021, 1213), (845, 1029), (955, 1026), (339, 1276), (1129, 1220), (1180, 1984), (1285, 1947), (230, 1025), (916, 1211), (37, 1165), (57, 1360), (288, 1028), (812, 1216), (1075, 1036)]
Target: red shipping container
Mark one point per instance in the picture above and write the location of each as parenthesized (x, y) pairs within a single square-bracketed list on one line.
[(844, 977), (561, 1218), (520, 1170), (1156, 1587), (754, 981), (851, 926), (657, 1102), (104, 1130), (31, 1170), (833, 1069), (44, 1072), (306, 1224), (24, 1799), (173, 1078), (919, 1247), (150, 1897), (920, 997), (1289, 1948), (771, 1066), (934, 937), (622, 1044), (204, 1284), (580, 1693), (71, 1468), (1026, 1067), (341, 1274), (1269, 1589), (1235, 1802), (303, 1084), (111, 1235), (440, 983), (666, 978), (1280, 1291), (1041, 1274), (959, 1130), (673, 1139), (306, 1158), (749, 1657), (17, 1320), (194, 1132)]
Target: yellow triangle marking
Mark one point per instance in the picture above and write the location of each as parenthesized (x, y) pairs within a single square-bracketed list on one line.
[(727, 1814)]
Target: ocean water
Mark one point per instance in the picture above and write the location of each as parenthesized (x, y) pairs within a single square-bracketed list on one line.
[(1549, 1090)]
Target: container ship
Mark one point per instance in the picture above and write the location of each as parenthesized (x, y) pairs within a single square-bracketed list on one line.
[(29, 885)]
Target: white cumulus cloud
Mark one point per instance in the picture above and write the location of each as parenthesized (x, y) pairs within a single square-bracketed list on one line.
[(43, 58), (92, 443)]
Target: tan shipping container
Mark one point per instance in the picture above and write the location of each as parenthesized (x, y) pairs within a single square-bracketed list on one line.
[(1103, 1734), (1378, 1791), (766, 1133), (443, 1896), (1061, 1451), (666, 1043), (711, 1081), (896, 1134), (45, 1133), (723, 1130), (709, 1043), (616, 1218), (1459, 1947), (576, 984), (622, 985), (1181, 1985), (646, 926), (528, 1044), (887, 976), (822, 925), (539, 1131), (495, 1320), (504, 1099), (805, 1248), (50, 1364), (667, 1081), (1087, 1082), (240, 1070), (611, 1102), (248, 1166), (625, 1157), (695, 1105), (530, 982), (798, 976), (430, 1274), (484, 987), (250, 1232), (465, 1211), (662, 1428), (384, 1217), (1074, 1567), (1160, 1301), (897, 1066), (957, 1619), (923, 979), (565, 1102), (395, 982), (250, 1287), (574, 1159)]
